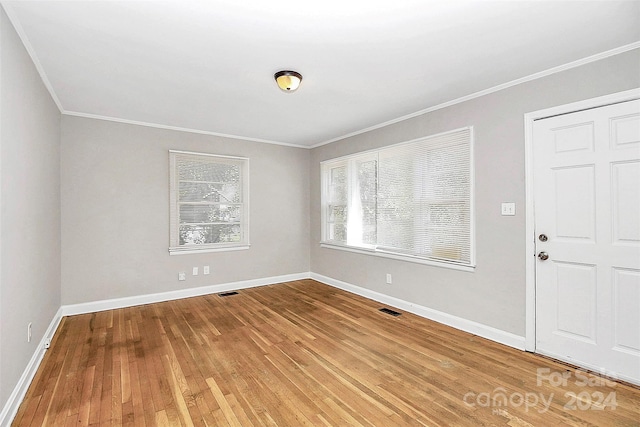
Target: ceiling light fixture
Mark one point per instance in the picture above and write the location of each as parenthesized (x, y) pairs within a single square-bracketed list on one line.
[(288, 81)]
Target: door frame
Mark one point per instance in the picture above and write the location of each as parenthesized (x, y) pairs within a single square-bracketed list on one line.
[(530, 246)]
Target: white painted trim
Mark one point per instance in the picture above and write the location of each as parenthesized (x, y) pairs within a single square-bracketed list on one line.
[(593, 58), (530, 244), (466, 325), (178, 128), (530, 265), (400, 257), (541, 74), (545, 73), (15, 399), (346, 157), (13, 403), (244, 165), (32, 53), (374, 250), (219, 156), (183, 251), (4, 409), (95, 306)]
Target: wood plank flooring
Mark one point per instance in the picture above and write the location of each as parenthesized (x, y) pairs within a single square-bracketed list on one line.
[(302, 353)]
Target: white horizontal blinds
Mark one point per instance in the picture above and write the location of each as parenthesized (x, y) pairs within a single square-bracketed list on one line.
[(362, 219), (350, 201), (424, 198), (398, 178), (337, 203), (412, 199), (208, 200)]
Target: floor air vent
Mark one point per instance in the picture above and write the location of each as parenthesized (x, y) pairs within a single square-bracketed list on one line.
[(227, 294), (391, 312)]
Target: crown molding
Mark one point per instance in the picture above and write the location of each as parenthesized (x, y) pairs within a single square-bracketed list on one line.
[(178, 128), (531, 77), (21, 33)]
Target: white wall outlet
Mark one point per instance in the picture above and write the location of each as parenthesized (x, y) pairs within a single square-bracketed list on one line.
[(47, 343), (182, 276), (509, 209), (389, 281), (29, 332), (195, 271), (205, 269)]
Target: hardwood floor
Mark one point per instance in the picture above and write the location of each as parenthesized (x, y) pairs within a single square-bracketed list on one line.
[(302, 353)]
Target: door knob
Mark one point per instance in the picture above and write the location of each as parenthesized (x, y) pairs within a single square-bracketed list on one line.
[(543, 256)]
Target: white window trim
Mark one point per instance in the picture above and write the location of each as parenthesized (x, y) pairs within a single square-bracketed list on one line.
[(191, 250), (173, 203), (470, 267), (408, 258)]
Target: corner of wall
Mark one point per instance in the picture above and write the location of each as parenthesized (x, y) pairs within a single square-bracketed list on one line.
[(475, 328), (10, 409)]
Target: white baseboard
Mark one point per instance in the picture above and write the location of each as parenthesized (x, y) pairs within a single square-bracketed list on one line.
[(484, 331), (13, 403), (15, 399), (111, 304), (475, 328)]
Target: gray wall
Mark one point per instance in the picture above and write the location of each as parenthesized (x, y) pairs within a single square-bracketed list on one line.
[(115, 211), (84, 206), (494, 294), (30, 214)]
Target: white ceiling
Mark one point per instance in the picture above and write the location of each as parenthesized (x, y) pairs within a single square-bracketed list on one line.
[(208, 65)]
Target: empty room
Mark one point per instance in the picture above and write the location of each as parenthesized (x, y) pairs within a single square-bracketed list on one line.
[(326, 213)]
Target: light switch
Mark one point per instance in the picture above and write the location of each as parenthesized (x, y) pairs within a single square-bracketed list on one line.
[(509, 208)]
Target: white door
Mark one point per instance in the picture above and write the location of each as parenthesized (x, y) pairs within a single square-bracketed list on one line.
[(587, 221)]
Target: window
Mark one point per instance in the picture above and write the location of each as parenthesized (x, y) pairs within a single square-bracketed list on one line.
[(412, 200), (209, 202)]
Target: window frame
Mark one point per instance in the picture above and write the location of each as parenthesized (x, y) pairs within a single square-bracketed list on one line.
[(174, 211), (373, 249)]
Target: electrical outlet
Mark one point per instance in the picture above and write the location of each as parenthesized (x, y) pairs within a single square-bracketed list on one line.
[(47, 343), (182, 276), (195, 271), (205, 269), (29, 332), (389, 281)]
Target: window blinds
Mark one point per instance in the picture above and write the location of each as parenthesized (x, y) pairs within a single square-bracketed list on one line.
[(337, 203), (424, 198), (412, 199), (208, 201)]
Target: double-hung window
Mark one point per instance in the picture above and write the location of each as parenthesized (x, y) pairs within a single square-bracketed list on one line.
[(412, 200), (209, 202)]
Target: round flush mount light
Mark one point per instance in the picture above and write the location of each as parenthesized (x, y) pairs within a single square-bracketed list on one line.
[(288, 80)]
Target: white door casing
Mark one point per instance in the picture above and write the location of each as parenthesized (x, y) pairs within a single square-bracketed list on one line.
[(586, 191), (530, 242)]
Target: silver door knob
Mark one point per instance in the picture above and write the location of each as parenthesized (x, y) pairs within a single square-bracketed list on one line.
[(543, 256)]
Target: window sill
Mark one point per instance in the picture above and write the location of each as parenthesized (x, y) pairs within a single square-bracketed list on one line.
[(432, 262), (191, 250)]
